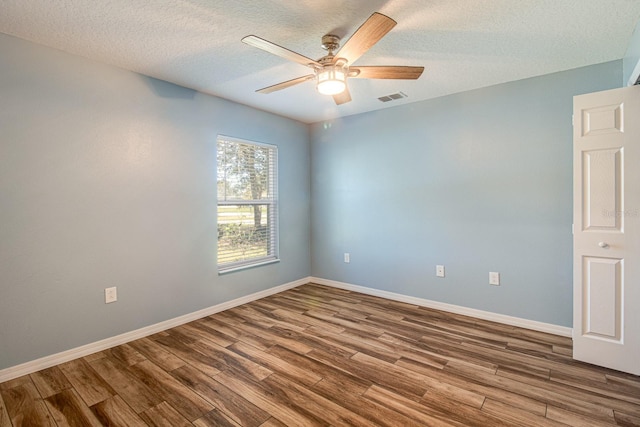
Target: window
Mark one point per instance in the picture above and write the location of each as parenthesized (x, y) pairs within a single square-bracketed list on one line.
[(247, 203)]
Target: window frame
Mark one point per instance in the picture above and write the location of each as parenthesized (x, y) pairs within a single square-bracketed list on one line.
[(271, 204)]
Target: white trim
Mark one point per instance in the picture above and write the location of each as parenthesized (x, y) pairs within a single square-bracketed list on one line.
[(635, 75), (74, 353), (480, 314), (240, 267)]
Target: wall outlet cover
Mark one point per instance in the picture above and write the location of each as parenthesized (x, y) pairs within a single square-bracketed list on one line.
[(494, 278), (110, 295), (440, 270)]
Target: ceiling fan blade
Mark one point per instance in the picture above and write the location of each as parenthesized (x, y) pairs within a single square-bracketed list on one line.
[(280, 51), (286, 84), (343, 97), (366, 36), (386, 72)]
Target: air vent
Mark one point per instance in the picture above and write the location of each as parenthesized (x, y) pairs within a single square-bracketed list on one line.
[(393, 96)]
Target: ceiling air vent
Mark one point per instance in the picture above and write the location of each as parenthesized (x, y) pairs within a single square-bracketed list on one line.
[(393, 96)]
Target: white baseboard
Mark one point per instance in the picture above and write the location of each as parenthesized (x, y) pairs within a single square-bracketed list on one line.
[(74, 353), (480, 314)]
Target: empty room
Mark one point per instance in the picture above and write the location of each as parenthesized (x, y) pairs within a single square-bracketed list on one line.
[(332, 213)]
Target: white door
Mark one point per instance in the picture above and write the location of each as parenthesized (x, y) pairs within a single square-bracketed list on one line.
[(606, 242)]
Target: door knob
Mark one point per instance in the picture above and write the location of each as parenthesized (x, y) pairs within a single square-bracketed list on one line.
[(603, 245)]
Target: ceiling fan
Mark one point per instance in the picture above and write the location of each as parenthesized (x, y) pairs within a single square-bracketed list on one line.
[(332, 70)]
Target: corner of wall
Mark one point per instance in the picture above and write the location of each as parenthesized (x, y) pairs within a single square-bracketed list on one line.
[(631, 60)]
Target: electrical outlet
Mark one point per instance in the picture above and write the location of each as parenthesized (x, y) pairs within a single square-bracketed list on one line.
[(494, 278), (347, 258), (110, 295), (440, 270)]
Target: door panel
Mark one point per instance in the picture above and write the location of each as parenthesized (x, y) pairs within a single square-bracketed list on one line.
[(602, 304), (603, 120), (606, 241), (602, 190)]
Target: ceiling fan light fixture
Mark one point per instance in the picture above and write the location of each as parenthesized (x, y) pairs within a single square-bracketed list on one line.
[(332, 79), (332, 70)]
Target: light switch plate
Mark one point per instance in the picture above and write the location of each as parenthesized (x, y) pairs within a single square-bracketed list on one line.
[(494, 278), (110, 295)]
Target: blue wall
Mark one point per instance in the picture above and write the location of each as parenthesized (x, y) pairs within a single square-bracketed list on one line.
[(107, 178), (478, 181)]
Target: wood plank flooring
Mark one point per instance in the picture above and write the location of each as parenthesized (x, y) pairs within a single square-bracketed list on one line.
[(318, 356)]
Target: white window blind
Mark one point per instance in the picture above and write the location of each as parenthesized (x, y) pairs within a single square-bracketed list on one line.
[(247, 203)]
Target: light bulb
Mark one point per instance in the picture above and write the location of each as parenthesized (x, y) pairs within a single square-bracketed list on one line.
[(331, 79)]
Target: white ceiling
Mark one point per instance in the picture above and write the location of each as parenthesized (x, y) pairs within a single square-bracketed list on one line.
[(463, 44)]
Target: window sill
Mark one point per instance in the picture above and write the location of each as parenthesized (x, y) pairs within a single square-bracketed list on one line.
[(247, 266)]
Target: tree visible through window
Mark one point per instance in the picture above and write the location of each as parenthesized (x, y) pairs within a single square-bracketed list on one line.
[(247, 203)]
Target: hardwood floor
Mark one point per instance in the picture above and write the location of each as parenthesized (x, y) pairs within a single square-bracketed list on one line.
[(315, 355)]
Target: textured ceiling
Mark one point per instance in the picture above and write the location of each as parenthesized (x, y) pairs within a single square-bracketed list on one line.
[(463, 44)]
